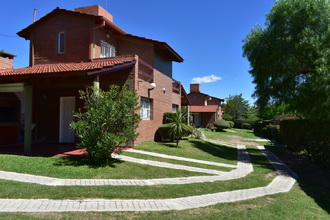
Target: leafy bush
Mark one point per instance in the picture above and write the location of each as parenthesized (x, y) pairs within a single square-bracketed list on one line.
[(168, 117), (175, 130), (108, 122), (231, 124), (246, 126), (164, 132), (258, 125), (271, 132), (197, 133), (227, 117), (178, 129), (239, 122), (309, 136), (210, 126), (221, 124)]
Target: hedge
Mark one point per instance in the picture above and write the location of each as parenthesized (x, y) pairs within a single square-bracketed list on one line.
[(309, 136), (221, 124), (164, 132), (239, 122)]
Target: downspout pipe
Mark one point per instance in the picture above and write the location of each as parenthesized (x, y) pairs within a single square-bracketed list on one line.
[(91, 39)]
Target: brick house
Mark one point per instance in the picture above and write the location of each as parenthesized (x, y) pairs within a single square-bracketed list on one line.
[(70, 50), (205, 109)]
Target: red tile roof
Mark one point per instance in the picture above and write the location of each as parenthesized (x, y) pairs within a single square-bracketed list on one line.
[(208, 108), (68, 67)]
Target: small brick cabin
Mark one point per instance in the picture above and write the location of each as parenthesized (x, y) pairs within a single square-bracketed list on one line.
[(70, 50)]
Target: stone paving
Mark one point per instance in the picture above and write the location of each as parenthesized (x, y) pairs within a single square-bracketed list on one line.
[(282, 183)]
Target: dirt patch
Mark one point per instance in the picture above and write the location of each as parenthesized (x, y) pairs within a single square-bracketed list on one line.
[(237, 141)]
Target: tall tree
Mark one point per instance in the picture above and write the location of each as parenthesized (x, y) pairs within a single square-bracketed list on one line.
[(236, 106), (290, 57)]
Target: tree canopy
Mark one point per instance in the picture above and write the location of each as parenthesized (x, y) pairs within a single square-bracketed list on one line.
[(236, 106), (290, 57)]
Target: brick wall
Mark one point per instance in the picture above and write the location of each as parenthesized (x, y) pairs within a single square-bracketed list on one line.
[(77, 40), (162, 102), (6, 63)]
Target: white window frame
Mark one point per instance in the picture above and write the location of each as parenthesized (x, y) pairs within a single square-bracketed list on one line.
[(61, 42), (107, 50), (145, 110), (175, 108)]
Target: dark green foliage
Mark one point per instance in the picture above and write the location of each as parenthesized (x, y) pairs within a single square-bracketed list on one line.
[(310, 136), (290, 57), (210, 126), (293, 134), (271, 132), (107, 123), (168, 117), (164, 132), (236, 107), (178, 129), (239, 122), (227, 117), (246, 126), (269, 112), (231, 124), (221, 124), (258, 125)]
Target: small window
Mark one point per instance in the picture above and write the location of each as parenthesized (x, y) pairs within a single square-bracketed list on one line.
[(107, 50), (175, 108), (60, 42), (145, 110)]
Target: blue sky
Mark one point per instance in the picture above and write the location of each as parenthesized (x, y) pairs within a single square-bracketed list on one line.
[(208, 34)]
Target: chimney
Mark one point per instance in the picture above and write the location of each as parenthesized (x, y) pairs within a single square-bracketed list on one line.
[(95, 10), (195, 88), (6, 60)]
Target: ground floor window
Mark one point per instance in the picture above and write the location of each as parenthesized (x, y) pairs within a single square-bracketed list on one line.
[(175, 108), (146, 109)]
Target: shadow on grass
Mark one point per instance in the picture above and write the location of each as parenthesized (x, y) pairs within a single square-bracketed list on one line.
[(216, 150), (313, 179), (78, 161)]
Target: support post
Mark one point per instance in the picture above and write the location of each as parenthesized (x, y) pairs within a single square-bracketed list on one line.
[(96, 85), (28, 120), (188, 114)]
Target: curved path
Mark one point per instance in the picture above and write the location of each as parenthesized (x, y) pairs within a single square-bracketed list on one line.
[(282, 183), (243, 168)]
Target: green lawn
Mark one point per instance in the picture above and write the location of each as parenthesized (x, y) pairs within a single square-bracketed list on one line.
[(295, 204)]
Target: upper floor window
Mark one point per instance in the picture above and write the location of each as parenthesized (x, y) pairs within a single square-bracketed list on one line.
[(60, 42), (107, 50)]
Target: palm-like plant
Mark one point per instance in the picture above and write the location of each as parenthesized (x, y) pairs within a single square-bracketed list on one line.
[(178, 129)]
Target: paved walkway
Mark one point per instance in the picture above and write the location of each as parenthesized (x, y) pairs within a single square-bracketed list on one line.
[(282, 183)]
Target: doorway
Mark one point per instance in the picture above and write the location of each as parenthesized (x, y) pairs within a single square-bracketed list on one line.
[(67, 107)]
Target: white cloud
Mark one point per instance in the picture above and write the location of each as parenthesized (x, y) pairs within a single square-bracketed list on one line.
[(206, 79)]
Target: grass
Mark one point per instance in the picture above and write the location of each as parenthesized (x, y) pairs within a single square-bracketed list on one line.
[(295, 204), (185, 163), (196, 149), (76, 168)]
